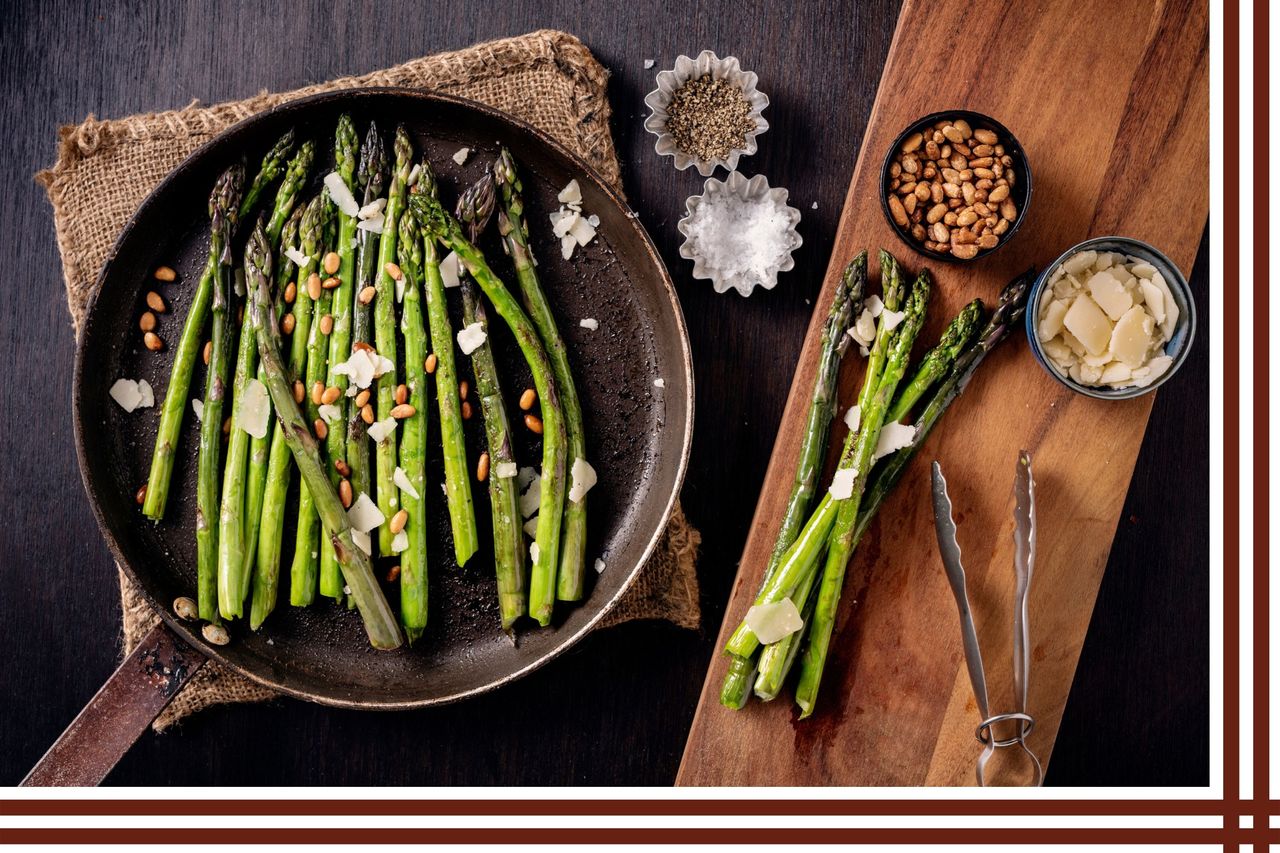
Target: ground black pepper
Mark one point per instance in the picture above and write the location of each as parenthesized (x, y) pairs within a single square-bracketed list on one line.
[(708, 118)]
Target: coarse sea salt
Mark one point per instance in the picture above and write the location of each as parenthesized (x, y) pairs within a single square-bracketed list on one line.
[(741, 239)]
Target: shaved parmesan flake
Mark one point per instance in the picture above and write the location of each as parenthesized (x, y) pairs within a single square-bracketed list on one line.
[(399, 288), (853, 417), (255, 409), (1131, 338), (863, 351), (571, 194), (874, 304), (197, 406), (382, 365), (364, 514), (771, 622), (364, 544), (126, 393), (659, 383), (893, 437), (567, 244), (599, 565), (589, 323), (583, 477), (372, 209), (148, 397), (471, 338), (296, 256), (531, 497), (341, 196), (648, 63), (413, 174), (449, 269), (373, 224), (405, 485), (864, 331), (400, 542), (1108, 291), (505, 470), (1153, 298), (534, 551), (562, 222), (531, 526), (1087, 321), (526, 476), (842, 483), (359, 368), (594, 221), (460, 156), (891, 319), (329, 412), (582, 231), (379, 430)]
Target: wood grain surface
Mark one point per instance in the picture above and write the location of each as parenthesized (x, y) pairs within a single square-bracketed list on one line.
[(616, 709), (1114, 120)]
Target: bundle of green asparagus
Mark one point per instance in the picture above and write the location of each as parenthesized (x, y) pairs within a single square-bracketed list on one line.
[(335, 319), (794, 614)]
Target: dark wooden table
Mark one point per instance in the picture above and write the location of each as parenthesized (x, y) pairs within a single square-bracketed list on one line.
[(615, 710)]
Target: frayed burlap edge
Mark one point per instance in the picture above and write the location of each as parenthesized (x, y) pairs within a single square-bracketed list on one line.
[(667, 588)]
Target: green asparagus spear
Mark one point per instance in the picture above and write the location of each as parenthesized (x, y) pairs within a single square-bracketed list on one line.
[(845, 307), (344, 154), (287, 195), (515, 239), (457, 480), (937, 362), (272, 165), (840, 547), (223, 214), (475, 207), (413, 441), (357, 571), (384, 328), (546, 549)]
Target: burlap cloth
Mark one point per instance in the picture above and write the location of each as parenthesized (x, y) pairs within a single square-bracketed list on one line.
[(106, 168)]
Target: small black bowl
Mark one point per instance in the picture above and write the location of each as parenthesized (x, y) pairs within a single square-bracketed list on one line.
[(1021, 192)]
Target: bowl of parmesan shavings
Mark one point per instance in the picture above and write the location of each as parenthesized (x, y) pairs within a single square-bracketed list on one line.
[(1112, 318)]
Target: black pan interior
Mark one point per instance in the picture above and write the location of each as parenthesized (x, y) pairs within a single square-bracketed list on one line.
[(637, 433)]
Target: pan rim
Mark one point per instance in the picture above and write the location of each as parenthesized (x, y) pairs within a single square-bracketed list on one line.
[(96, 496)]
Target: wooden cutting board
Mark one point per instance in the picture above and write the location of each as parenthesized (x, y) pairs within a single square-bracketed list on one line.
[(1111, 103)]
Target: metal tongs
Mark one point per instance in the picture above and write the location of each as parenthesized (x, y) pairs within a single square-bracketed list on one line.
[(1024, 556)]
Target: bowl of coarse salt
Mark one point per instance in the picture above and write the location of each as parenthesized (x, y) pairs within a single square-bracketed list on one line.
[(739, 233)]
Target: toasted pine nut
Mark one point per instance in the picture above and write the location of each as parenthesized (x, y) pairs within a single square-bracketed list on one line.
[(287, 324), (344, 493), (141, 495), (147, 321), (399, 520), (362, 398), (216, 634), (466, 410), (341, 466), (430, 364), (313, 286), (299, 392), (185, 608), (321, 428), (317, 392), (482, 467), (332, 262), (165, 274), (330, 395), (528, 398), (534, 423), (153, 342), (463, 388), (330, 283), (226, 425), (208, 351), (361, 345), (393, 573), (402, 394), (326, 324), (155, 302), (403, 410), (290, 292), (393, 271), (366, 414), (366, 295)]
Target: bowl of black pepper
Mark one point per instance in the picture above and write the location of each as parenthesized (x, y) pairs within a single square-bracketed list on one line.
[(706, 112), (955, 185)]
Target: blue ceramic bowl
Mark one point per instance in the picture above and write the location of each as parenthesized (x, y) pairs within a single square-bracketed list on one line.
[(1184, 330)]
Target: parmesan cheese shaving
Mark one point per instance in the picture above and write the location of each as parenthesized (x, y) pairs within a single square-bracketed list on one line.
[(531, 526), (125, 392), (659, 383), (853, 417), (359, 368), (197, 406), (296, 256), (449, 268), (402, 481), (571, 194), (505, 470), (771, 622), (471, 338), (874, 304), (460, 156), (372, 209), (842, 484), (148, 397), (583, 477), (891, 319), (255, 409), (400, 542), (364, 514), (534, 551), (364, 543), (531, 496), (599, 565), (329, 412), (589, 323), (893, 437), (373, 224), (341, 196), (379, 430)]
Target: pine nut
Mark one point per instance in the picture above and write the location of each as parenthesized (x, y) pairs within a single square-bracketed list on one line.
[(332, 262), (430, 364), (366, 414), (344, 493), (321, 429), (361, 345), (362, 398), (216, 634), (153, 342), (147, 321), (165, 274), (208, 351), (534, 423), (528, 398), (313, 286), (226, 425), (287, 324), (141, 495), (399, 520), (402, 394), (155, 302), (463, 388), (330, 283), (482, 467), (330, 395), (341, 466), (393, 271), (366, 295), (466, 410), (290, 292), (317, 392), (402, 411), (326, 324), (185, 608), (299, 392), (393, 573)]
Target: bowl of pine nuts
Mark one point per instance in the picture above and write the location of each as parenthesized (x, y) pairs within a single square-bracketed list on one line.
[(955, 185)]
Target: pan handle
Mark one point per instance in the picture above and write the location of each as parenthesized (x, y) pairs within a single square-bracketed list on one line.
[(119, 712)]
